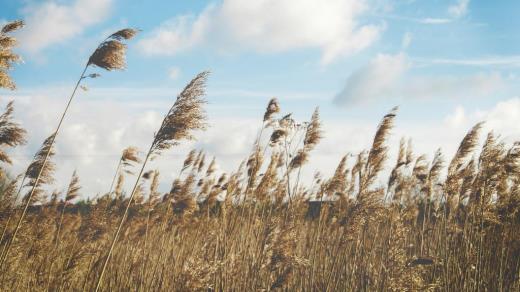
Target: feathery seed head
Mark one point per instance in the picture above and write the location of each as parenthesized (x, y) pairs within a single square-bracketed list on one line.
[(7, 57), (272, 108), (12, 26), (74, 187), (110, 54), (186, 115), (11, 133)]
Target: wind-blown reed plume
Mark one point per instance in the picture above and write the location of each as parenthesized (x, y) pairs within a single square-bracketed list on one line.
[(190, 158), (110, 54), (201, 164), (72, 193), (456, 167), (73, 189), (129, 157), (184, 203), (401, 160), (264, 188), (338, 183), (212, 167), (153, 196), (436, 166), (7, 200), (420, 169), (490, 168), (277, 136), (7, 57), (216, 190), (466, 147), (185, 116), (378, 152), (11, 133), (41, 170), (314, 133), (272, 108), (313, 136)]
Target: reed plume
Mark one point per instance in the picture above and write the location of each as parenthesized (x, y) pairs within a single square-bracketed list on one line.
[(73, 189), (41, 170), (71, 194), (11, 133), (129, 157), (272, 108), (378, 152), (313, 135), (7, 56), (110, 54), (188, 161)]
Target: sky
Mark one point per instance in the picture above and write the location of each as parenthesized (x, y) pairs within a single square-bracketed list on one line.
[(447, 64)]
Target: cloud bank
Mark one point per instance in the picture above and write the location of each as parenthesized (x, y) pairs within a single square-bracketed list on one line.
[(269, 26), (51, 22), (390, 76)]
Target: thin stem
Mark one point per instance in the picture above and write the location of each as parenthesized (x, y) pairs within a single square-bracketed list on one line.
[(118, 231), (115, 176), (13, 211)]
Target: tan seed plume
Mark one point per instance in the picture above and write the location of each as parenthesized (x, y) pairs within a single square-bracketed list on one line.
[(7, 56)]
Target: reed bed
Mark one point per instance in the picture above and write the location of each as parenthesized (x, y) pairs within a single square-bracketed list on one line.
[(438, 224)]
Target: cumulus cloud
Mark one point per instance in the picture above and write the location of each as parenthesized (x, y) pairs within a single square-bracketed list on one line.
[(52, 22), (388, 76), (269, 26), (459, 9)]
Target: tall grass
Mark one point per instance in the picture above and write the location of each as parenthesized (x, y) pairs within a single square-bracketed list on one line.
[(262, 227)]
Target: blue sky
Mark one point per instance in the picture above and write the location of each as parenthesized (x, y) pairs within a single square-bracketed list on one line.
[(446, 63)]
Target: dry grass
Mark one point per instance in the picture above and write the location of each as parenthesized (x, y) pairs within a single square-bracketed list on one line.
[(260, 227)]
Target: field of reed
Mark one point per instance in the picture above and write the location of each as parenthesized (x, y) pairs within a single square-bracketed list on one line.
[(445, 224)]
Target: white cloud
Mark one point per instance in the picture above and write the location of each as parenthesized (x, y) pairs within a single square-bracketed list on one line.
[(269, 26), (174, 73), (456, 119), (407, 40), (459, 9), (51, 22), (177, 35), (503, 117), (435, 20), (386, 77), (373, 80), (502, 61)]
